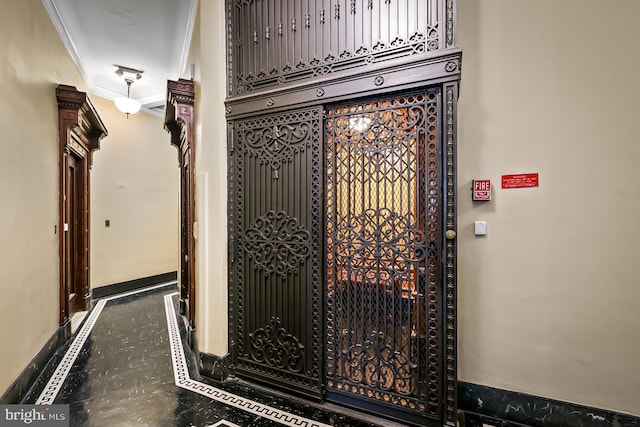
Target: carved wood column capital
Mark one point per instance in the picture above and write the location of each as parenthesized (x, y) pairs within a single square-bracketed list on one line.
[(179, 112), (76, 113)]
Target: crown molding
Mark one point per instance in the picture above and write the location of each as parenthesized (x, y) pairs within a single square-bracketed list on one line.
[(56, 18), (186, 44)]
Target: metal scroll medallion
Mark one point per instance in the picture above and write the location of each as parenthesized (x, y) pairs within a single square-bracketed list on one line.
[(273, 346), (383, 252), (277, 244), (276, 144)]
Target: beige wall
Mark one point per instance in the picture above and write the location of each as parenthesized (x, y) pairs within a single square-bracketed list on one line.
[(211, 175), (548, 300), (33, 61), (134, 184)]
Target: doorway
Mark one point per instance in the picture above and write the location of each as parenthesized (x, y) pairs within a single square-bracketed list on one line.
[(383, 253), (187, 244), (74, 235), (364, 194), (178, 121), (80, 131)]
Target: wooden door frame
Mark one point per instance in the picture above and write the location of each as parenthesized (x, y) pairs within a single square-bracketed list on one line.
[(75, 234), (80, 131), (179, 123)]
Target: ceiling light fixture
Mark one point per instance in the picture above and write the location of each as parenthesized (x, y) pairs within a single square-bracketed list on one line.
[(127, 104), (359, 123)]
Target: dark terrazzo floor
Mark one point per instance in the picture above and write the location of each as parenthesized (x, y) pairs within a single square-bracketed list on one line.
[(124, 376)]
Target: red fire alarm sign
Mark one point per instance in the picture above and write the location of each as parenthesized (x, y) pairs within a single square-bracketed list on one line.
[(481, 189), (522, 180)]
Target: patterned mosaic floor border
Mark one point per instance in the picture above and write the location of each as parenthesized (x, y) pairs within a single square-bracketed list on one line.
[(182, 379), (56, 381), (180, 370), (224, 423)]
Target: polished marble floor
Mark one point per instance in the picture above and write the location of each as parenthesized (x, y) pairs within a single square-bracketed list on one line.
[(127, 365)]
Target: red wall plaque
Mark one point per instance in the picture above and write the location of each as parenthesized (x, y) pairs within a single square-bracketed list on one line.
[(520, 181)]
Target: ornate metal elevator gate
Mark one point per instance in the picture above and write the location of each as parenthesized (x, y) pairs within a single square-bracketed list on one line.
[(275, 274), (383, 253), (342, 201)]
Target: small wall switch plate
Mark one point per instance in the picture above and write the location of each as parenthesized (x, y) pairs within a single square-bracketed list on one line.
[(481, 228)]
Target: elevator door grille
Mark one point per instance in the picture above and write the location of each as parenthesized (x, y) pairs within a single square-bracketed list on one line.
[(383, 249), (275, 224)]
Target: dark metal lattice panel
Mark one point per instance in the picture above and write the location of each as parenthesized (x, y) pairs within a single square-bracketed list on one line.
[(384, 208), (275, 278), (271, 42)]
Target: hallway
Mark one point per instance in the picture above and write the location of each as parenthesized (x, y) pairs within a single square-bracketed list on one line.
[(127, 366)]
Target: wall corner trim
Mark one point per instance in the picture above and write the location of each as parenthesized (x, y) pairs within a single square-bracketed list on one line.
[(216, 367)]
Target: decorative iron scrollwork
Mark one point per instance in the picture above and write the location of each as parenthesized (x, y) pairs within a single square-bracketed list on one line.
[(254, 293), (426, 35), (451, 344), (374, 362), (384, 252), (273, 346), (278, 143), (381, 234), (277, 244), (450, 22)]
